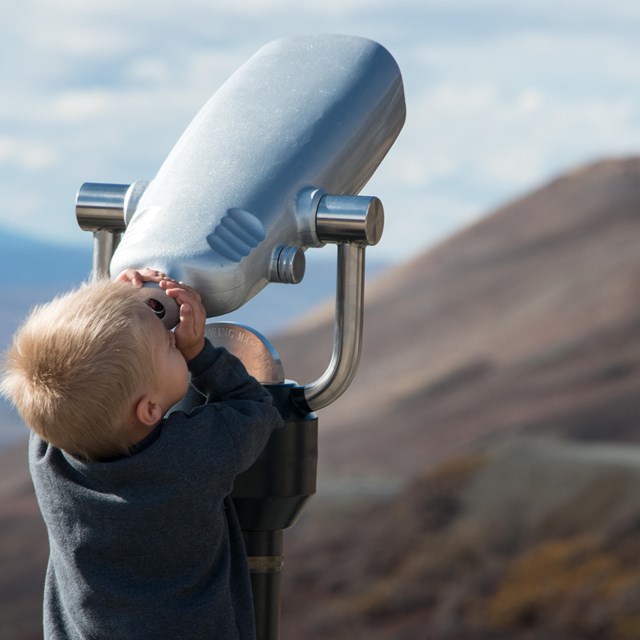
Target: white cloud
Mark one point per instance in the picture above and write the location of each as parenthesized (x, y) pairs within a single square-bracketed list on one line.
[(29, 155), (102, 90), (473, 140), (81, 104)]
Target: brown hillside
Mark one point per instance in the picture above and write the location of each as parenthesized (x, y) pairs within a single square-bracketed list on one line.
[(23, 550), (529, 540), (528, 319), (527, 322)]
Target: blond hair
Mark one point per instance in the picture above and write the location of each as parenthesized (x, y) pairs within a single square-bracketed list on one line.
[(76, 365)]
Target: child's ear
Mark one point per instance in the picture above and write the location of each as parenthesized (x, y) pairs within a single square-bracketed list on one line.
[(147, 411)]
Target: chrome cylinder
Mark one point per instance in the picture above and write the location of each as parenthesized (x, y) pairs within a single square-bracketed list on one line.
[(103, 209), (105, 243), (358, 219), (101, 206)]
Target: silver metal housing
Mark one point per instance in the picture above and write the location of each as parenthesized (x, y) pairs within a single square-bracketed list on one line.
[(258, 355), (304, 117)]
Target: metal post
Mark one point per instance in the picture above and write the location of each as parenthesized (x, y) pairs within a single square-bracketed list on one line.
[(269, 497), (105, 242), (347, 339), (265, 550)]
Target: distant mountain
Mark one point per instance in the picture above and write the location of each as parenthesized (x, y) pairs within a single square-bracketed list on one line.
[(37, 271), (33, 262), (478, 479)]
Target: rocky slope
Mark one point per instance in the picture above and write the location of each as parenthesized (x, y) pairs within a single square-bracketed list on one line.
[(529, 539)]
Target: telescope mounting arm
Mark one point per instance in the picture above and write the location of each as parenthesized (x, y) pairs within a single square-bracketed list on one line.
[(353, 223)]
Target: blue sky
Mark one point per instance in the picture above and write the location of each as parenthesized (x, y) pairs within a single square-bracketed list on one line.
[(501, 96)]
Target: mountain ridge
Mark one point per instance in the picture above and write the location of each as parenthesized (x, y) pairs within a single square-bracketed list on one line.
[(455, 314)]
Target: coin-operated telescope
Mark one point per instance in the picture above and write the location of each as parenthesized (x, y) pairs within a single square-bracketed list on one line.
[(271, 166)]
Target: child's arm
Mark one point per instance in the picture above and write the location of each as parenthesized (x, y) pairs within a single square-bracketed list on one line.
[(221, 377), (235, 403), (238, 410)]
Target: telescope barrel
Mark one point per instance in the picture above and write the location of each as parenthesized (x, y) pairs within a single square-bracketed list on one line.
[(234, 205)]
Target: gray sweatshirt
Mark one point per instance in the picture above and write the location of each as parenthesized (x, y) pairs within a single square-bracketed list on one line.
[(148, 545)]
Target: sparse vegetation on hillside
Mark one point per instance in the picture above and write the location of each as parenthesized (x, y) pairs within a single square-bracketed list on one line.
[(430, 564)]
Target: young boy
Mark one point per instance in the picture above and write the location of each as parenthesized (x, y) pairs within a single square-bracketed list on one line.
[(144, 541)]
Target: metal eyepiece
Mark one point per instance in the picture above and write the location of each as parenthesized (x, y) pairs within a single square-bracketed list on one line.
[(165, 308), (288, 265), (156, 307)]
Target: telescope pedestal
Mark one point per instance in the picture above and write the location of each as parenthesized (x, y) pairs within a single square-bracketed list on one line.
[(269, 497), (264, 549)]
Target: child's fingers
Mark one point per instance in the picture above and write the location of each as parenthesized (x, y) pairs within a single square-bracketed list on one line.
[(189, 332), (183, 295), (174, 288), (128, 275), (186, 316), (151, 275), (184, 330), (138, 277)]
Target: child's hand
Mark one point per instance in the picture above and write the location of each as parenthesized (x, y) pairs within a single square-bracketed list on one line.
[(189, 332), (138, 278)]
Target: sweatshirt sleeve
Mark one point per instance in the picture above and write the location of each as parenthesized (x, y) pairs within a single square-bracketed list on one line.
[(237, 407), (219, 376)]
